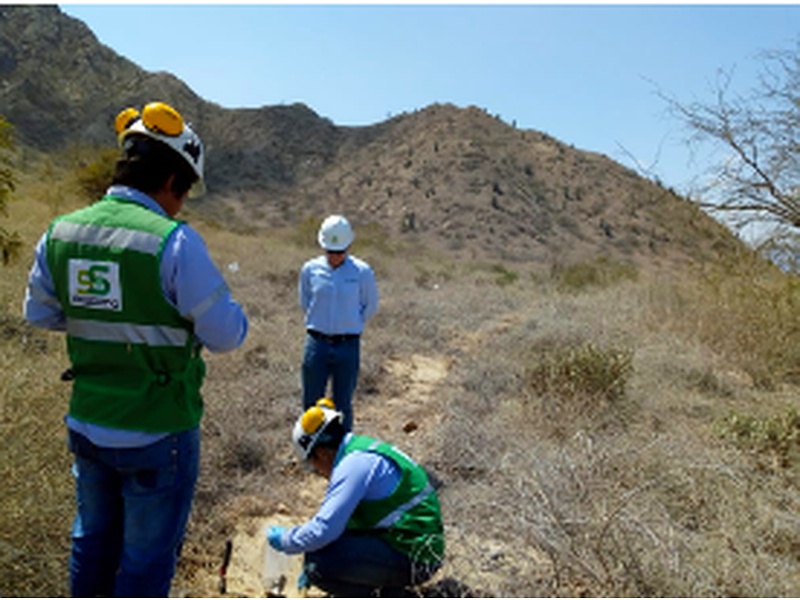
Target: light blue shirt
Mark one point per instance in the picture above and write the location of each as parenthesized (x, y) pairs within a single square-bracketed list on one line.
[(337, 301), (358, 476), (190, 282)]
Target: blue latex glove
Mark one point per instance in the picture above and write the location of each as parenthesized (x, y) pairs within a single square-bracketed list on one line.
[(302, 581), (274, 533)]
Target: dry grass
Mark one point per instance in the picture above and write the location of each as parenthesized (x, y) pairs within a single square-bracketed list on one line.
[(633, 493), (745, 310)]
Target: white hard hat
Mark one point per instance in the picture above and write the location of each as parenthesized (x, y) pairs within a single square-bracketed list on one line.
[(161, 122), (335, 233), (311, 426)]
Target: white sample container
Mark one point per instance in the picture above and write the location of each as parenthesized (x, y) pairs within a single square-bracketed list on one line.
[(276, 571)]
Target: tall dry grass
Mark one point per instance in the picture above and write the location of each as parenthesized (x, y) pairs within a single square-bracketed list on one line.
[(575, 437), (747, 311)]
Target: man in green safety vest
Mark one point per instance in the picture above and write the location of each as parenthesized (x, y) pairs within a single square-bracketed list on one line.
[(379, 528), (138, 297)]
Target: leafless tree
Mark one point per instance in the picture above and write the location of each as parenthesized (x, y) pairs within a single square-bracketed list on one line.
[(758, 178)]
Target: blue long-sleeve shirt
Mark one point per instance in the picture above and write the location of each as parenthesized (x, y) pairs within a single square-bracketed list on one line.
[(337, 301), (190, 282), (355, 477)]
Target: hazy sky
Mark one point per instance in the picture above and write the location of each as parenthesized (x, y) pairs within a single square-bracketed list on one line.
[(586, 74)]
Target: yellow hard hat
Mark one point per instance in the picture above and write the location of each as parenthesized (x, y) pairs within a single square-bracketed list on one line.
[(159, 121), (312, 424)]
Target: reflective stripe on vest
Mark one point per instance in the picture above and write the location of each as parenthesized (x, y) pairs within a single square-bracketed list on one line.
[(107, 237), (395, 515), (149, 335)]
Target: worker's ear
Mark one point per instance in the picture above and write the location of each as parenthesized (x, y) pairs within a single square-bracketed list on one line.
[(316, 455)]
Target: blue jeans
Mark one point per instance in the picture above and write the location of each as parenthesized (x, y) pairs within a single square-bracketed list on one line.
[(358, 564), (339, 362), (132, 508)]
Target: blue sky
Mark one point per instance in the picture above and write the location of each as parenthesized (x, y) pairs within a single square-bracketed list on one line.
[(586, 74)]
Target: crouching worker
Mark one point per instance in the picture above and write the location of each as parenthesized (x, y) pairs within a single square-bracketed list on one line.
[(379, 527)]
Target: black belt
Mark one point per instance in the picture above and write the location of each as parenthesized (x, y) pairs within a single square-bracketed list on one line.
[(332, 339)]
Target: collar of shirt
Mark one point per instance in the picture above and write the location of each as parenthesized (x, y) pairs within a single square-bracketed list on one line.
[(129, 193), (322, 261), (340, 451)]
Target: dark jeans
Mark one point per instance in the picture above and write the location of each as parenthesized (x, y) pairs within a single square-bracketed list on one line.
[(361, 565), (132, 508), (338, 361)]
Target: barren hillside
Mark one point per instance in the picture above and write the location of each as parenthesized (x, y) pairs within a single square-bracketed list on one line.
[(450, 178)]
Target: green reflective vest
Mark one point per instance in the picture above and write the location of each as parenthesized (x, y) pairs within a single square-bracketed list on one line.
[(135, 361), (409, 519)]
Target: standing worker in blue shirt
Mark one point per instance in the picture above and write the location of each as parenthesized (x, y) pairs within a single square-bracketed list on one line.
[(379, 528), (338, 295), (138, 297)]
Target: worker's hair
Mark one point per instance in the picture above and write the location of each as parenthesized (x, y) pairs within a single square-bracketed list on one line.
[(331, 437), (146, 164)]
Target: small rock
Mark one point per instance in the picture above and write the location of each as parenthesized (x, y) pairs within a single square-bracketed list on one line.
[(410, 426)]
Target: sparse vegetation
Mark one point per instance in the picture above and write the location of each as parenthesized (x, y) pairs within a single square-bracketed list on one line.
[(95, 171), (575, 434), (599, 272), (777, 437), (10, 243), (582, 372), (747, 311), (504, 276)]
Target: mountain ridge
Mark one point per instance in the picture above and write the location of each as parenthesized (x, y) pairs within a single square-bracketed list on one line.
[(455, 178)]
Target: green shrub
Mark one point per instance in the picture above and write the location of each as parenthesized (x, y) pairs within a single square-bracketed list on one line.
[(305, 232), (600, 272), (581, 371), (504, 276), (777, 437), (95, 176)]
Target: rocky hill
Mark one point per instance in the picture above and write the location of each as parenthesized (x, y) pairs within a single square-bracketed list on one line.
[(446, 176)]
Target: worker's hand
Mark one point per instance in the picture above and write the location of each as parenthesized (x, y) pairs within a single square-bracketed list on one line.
[(274, 533)]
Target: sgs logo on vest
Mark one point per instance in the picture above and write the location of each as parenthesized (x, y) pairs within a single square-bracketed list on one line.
[(95, 284)]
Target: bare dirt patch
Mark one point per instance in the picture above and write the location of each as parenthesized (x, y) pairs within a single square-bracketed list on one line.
[(412, 411), (245, 573)]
